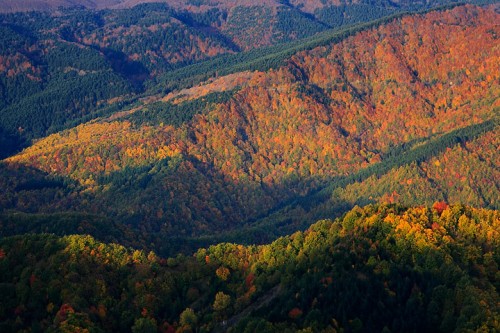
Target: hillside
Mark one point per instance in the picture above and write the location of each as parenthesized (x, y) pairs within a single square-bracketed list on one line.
[(377, 269), (228, 159), (307, 6), (222, 166), (84, 62), (59, 70)]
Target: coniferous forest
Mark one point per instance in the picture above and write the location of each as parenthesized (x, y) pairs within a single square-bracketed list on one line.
[(237, 166)]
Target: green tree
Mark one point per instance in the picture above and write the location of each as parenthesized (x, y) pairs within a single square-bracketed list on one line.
[(188, 318), (144, 325), (221, 302)]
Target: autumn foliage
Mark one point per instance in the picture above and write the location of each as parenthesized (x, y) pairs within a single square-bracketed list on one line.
[(440, 206), (329, 112), (377, 266)]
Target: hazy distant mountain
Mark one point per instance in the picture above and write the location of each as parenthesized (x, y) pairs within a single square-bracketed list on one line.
[(308, 6), (9, 6)]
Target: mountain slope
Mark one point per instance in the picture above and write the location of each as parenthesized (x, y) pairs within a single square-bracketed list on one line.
[(381, 268), (400, 115), (329, 112), (307, 6), (57, 70), (82, 64)]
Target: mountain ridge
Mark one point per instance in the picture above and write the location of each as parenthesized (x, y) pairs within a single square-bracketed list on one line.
[(236, 148), (307, 6), (86, 64), (346, 182)]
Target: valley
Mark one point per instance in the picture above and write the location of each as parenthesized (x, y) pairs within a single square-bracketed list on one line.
[(216, 166)]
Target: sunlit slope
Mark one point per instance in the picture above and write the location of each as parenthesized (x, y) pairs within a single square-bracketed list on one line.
[(379, 268), (330, 112)]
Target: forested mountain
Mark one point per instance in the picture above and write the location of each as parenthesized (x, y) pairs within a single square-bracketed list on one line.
[(337, 117), (56, 70), (81, 64), (143, 131), (306, 6), (377, 269)]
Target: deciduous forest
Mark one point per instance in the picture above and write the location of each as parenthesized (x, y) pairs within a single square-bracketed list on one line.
[(221, 166)]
